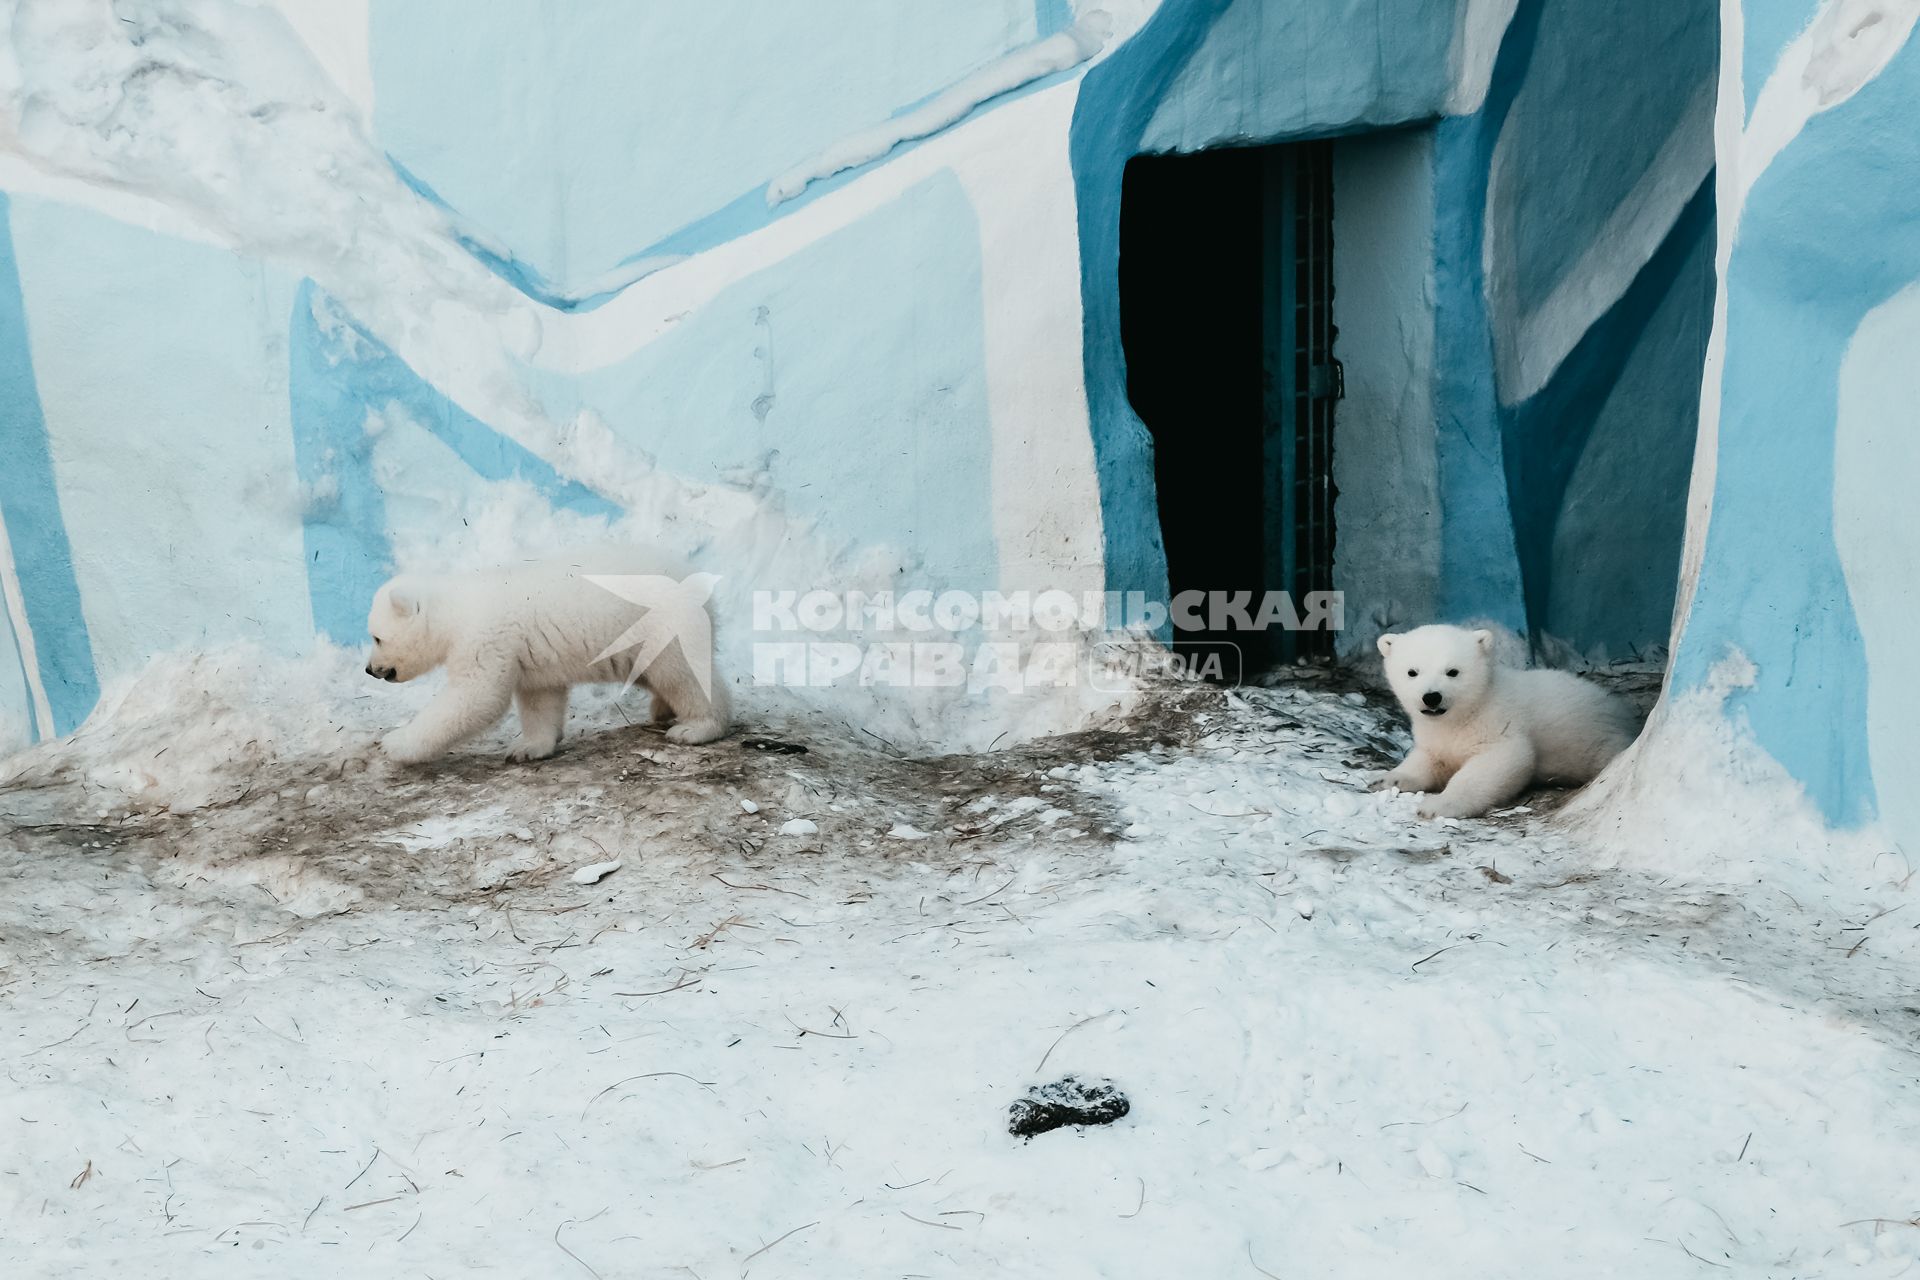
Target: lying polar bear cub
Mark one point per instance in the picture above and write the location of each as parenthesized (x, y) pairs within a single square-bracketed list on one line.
[(1483, 733), (528, 633)]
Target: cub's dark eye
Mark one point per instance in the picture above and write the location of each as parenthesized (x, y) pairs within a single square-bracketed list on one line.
[(1412, 673), (1454, 671), (376, 639)]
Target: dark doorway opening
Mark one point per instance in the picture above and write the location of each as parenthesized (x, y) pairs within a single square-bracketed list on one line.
[(1226, 299)]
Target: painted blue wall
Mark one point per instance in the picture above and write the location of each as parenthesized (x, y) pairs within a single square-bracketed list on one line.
[(577, 136), (201, 448), (1199, 73), (1479, 565), (1601, 115), (1581, 102), (1601, 90), (1117, 101), (36, 526), (1605, 87), (1479, 569), (880, 444), (1613, 565), (1265, 71), (346, 390), (1876, 457), (1806, 267), (1768, 26), (17, 723), (165, 403)]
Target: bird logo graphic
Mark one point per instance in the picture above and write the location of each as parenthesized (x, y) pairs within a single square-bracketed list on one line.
[(675, 609)]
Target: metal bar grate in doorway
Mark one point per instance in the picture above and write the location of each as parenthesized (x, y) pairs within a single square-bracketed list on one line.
[(1317, 381)]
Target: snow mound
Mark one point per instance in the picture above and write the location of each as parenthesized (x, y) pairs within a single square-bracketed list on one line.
[(1697, 797), (192, 730), (1354, 1038)]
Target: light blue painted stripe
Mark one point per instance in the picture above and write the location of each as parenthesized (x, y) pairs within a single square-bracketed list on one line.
[(1771, 584), (21, 698), (1768, 27), (740, 216), (1805, 271), (777, 382), (521, 275), (30, 502), (1479, 564), (509, 268), (347, 553), (1051, 17), (749, 212), (336, 380)]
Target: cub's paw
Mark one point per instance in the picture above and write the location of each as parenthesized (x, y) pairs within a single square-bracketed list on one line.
[(1441, 807), (403, 747), (1385, 782), (693, 732), (523, 751)]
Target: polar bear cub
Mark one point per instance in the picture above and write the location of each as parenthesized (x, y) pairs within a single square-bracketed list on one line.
[(1484, 732), (526, 634)]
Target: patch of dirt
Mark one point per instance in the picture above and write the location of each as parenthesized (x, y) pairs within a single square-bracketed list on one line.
[(322, 835)]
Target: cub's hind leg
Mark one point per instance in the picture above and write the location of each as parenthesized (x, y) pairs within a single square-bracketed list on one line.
[(699, 714)]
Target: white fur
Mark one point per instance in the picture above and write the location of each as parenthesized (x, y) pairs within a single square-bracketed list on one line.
[(525, 635), (1494, 730)]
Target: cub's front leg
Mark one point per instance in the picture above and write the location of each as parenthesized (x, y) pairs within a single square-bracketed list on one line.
[(543, 716), (1418, 772), (472, 701), (1493, 778)]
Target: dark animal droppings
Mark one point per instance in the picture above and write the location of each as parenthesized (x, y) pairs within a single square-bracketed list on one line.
[(1068, 1100), (773, 746)]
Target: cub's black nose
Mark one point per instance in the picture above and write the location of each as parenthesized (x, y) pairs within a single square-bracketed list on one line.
[(1431, 698), (370, 670)]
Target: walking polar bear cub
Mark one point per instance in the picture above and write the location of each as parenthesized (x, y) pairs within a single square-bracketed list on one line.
[(1483, 732), (527, 634)]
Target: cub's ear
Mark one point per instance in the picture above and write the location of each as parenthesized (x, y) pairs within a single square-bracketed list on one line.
[(1485, 640), (1386, 645), (405, 603)]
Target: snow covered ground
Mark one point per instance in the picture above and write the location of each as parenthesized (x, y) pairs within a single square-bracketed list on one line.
[(275, 1008)]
